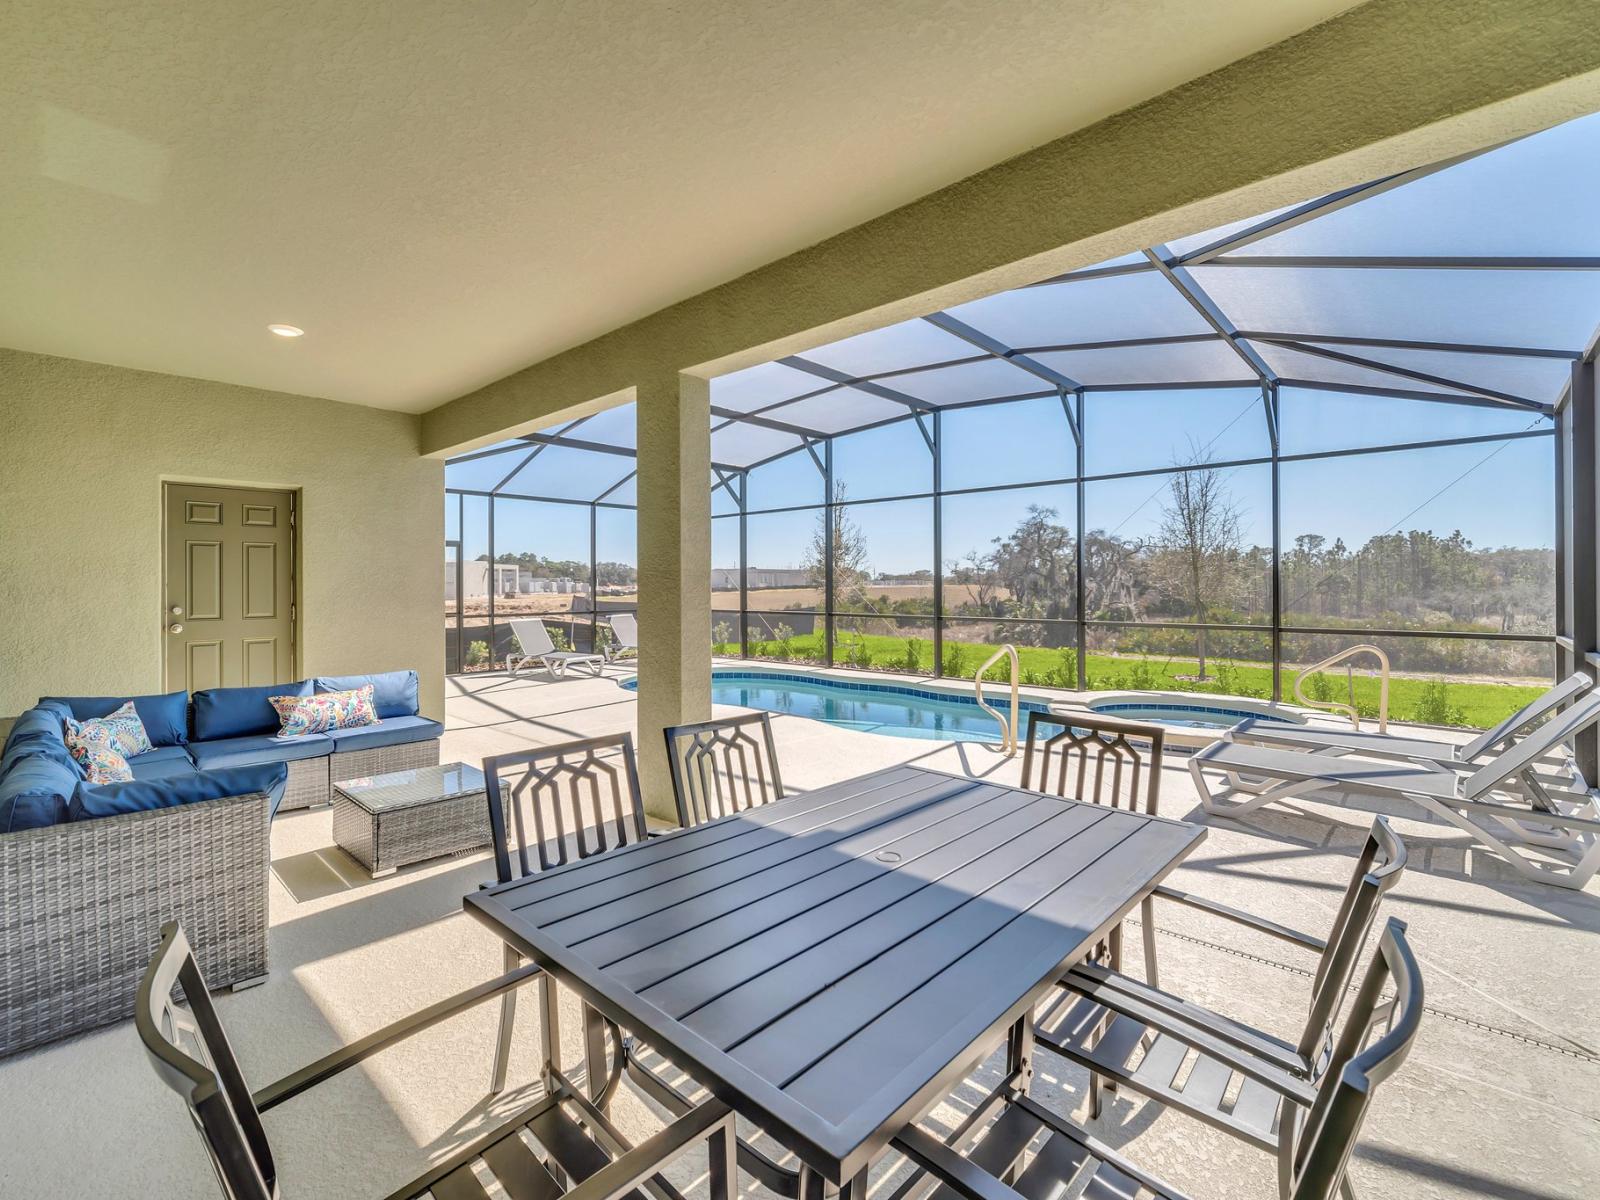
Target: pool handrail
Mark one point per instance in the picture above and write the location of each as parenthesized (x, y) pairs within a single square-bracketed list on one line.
[(1008, 732), (1349, 710)]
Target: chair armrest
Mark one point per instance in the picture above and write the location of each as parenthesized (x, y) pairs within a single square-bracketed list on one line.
[(1305, 941), (345, 1057), (623, 1174), (1248, 1051), (954, 1170)]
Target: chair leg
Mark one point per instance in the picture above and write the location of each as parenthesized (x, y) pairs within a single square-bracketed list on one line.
[(1147, 918), (508, 1020)]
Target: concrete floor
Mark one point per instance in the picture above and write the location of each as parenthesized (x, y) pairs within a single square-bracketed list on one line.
[(1500, 1098)]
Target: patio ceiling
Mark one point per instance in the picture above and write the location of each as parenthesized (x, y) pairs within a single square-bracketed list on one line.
[(1475, 281)]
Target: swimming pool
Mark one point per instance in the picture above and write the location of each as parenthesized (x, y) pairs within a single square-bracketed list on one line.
[(892, 709)]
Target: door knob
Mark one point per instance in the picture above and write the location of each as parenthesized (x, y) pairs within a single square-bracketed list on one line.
[(175, 627)]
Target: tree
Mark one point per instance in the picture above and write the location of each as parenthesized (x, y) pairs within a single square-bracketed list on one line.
[(849, 553), (1035, 563), (1198, 540)]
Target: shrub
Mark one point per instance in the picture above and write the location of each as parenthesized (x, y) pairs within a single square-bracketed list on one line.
[(558, 638), (477, 654), (1434, 706), (913, 656), (955, 659), (1065, 675), (721, 637), (784, 636), (859, 654)]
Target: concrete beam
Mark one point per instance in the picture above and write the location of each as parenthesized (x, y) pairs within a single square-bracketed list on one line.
[(1382, 88), (674, 535)]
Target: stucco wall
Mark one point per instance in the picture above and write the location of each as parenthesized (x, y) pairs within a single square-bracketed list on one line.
[(84, 449)]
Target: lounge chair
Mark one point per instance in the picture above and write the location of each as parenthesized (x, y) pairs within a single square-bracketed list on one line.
[(624, 635), (1336, 742), (534, 641), (1551, 838)]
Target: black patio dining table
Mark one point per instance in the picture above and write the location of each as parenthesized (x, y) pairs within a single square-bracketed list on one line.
[(833, 964)]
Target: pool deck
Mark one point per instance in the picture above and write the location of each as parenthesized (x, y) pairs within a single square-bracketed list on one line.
[(1500, 1098)]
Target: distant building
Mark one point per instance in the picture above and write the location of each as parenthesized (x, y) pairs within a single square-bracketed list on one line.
[(726, 579), (475, 579)]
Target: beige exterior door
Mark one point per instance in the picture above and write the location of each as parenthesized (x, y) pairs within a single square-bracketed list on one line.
[(229, 587)]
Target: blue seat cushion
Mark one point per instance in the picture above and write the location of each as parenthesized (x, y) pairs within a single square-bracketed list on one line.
[(110, 799), (240, 711), (391, 731), (394, 693), (165, 717), (164, 762), (258, 748)]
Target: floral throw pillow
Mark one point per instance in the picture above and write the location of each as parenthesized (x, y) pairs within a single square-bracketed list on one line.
[(93, 744), (123, 727), (298, 715)]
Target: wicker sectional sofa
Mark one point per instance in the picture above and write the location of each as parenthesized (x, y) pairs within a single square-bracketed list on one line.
[(88, 874)]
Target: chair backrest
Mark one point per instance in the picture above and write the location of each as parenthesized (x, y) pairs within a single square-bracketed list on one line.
[(1122, 768), (575, 799), (1569, 688), (1319, 1141), (531, 635), (626, 628), (722, 767), (1378, 868), (190, 1053), (1517, 758)]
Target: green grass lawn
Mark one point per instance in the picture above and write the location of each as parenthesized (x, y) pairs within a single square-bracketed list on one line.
[(1474, 705)]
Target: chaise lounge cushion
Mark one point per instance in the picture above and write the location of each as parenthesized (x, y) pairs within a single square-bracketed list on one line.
[(164, 762), (109, 800), (394, 693), (391, 731), (258, 748), (240, 711), (165, 717)]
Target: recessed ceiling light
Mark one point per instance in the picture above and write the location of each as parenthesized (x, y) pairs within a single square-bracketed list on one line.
[(286, 331)]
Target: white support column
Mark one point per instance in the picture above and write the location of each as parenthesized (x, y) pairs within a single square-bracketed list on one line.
[(674, 532)]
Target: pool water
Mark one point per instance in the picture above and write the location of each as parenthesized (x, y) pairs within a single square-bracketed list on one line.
[(1189, 716), (891, 709)]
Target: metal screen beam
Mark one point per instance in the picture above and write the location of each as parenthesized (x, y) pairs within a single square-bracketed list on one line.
[(1213, 316)]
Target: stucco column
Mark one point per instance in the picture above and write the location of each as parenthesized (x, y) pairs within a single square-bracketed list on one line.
[(674, 532)]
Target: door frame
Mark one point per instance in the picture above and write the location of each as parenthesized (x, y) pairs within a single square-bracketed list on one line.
[(295, 599)]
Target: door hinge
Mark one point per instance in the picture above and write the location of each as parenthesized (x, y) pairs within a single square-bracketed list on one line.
[(292, 614)]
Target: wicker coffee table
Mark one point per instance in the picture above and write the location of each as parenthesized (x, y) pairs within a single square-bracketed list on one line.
[(386, 822)]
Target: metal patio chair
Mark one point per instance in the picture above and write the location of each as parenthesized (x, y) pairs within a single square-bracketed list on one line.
[(579, 1153), (1125, 774), (533, 640), (567, 801), (1314, 1142), (1550, 836), (1127, 1033), (720, 767)]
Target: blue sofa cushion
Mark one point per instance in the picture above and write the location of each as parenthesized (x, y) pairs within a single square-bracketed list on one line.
[(391, 731), (394, 693), (258, 748), (165, 717), (34, 725), (34, 789), (108, 800), (241, 711), (164, 762), (38, 731)]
